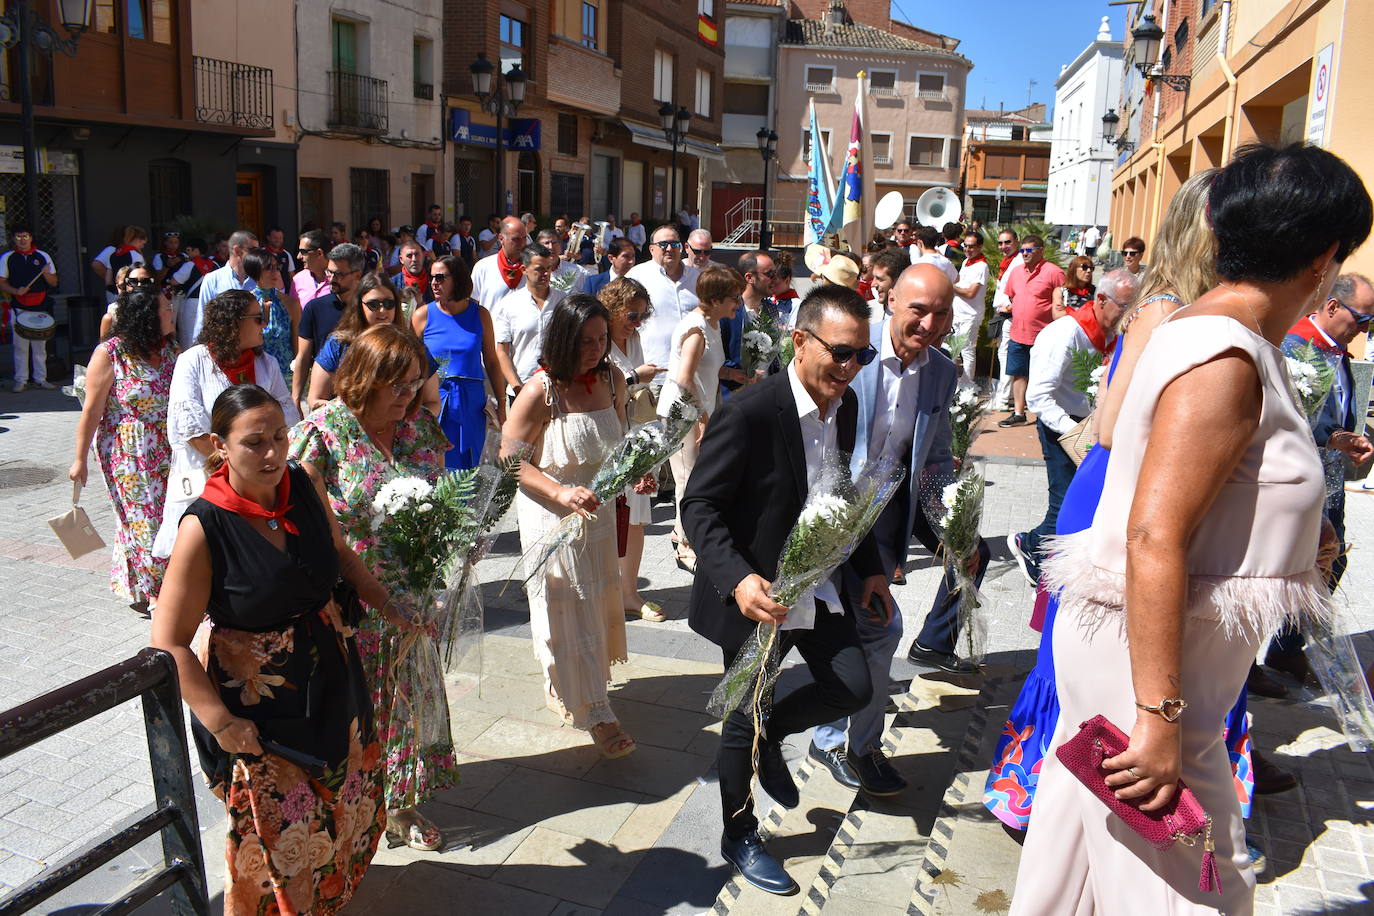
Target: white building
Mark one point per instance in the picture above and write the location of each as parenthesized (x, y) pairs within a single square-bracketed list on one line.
[(1081, 164)]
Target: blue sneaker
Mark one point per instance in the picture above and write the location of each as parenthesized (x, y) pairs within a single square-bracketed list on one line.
[(1029, 568)]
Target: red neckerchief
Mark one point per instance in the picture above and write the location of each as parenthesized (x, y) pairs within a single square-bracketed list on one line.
[(433, 230), (1086, 291), (219, 491), (1006, 263), (786, 294), (242, 371), (29, 250), (124, 249), (635, 222), (171, 254), (275, 250), (1087, 320), (1308, 331), (204, 265), (974, 260), (511, 273), (415, 282)]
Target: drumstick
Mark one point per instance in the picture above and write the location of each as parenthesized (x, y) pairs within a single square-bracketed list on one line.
[(29, 284)]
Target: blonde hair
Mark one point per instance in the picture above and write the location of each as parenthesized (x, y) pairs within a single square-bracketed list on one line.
[(1183, 258)]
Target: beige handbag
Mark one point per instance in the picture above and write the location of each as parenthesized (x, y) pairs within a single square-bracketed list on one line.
[(641, 407), (1079, 440), (74, 529)]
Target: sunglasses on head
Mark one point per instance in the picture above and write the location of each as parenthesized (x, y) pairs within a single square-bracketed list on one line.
[(843, 354)]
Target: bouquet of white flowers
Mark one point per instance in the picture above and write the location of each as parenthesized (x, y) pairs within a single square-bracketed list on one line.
[(1086, 370), (837, 515), (1312, 375), (954, 506), (639, 453), (760, 341), (964, 414)]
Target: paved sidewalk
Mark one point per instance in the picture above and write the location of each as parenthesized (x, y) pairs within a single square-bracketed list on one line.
[(541, 824)]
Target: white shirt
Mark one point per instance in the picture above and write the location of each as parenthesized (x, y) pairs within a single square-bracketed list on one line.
[(635, 233), (488, 286), (216, 282), (939, 260), (569, 277), (108, 250), (612, 233), (894, 409), (483, 240), (876, 311), (1091, 237), (672, 300), (518, 321), (1000, 299), (1050, 392), (818, 443), (969, 275)]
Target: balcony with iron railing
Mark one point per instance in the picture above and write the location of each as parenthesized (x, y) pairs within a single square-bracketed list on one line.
[(424, 91), (233, 94), (357, 103)]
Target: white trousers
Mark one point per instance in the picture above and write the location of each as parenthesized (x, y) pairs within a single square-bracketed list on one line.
[(968, 357), (30, 352), (1001, 396)]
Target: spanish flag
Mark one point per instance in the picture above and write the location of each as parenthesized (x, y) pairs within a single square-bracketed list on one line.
[(707, 31)]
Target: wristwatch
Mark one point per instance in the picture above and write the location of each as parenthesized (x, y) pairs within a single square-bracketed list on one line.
[(631, 377)]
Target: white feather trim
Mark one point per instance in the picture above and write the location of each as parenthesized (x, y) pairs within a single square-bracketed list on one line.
[(1254, 606)]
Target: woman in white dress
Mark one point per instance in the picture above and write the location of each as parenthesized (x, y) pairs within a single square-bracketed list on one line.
[(696, 365), (572, 412), (628, 303), (228, 352)]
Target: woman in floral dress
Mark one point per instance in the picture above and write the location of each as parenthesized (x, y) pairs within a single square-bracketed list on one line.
[(281, 714), (373, 432), (127, 385)]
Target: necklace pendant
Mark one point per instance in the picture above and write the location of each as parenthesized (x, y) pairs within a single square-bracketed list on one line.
[(272, 523)]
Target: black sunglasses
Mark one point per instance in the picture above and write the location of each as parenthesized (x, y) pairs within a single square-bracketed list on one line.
[(305, 251), (843, 354), (667, 245), (701, 252), (1360, 317), (379, 305), (140, 282), (1131, 252), (636, 316)]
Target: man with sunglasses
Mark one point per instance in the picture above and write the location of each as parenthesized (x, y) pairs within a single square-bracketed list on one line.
[(310, 283), (672, 288), (999, 325), (1031, 292), (762, 451), (1345, 315), (320, 316), (758, 271), (621, 257), (699, 248), (497, 276)]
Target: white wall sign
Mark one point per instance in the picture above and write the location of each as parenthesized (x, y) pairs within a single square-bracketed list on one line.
[(1322, 78)]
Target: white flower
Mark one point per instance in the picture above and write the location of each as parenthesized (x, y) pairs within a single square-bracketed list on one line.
[(950, 496), (396, 494), (1304, 376), (824, 509), (424, 507), (966, 397)]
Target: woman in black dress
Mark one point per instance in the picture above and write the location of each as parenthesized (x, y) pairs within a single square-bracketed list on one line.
[(282, 717)]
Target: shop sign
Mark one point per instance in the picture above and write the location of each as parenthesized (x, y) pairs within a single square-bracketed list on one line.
[(520, 133)]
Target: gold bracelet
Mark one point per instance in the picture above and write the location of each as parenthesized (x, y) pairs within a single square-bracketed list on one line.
[(1169, 708)]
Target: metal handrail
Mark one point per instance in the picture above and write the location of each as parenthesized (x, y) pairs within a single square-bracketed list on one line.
[(357, 102), (151, 675)]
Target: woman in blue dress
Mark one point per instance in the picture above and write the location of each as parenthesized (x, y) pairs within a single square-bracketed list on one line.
[(458, 334), (281, 310), (1182, 270)]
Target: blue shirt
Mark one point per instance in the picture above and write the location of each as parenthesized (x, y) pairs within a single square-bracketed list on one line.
[(214, 283)]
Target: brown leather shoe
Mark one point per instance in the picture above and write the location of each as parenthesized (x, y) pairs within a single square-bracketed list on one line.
[(1296, 665), (1270, 779), (1263, 685)]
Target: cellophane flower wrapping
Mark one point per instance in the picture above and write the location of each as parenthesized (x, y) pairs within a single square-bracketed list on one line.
[(423, 529), (838, 513), (77, 389), (760, 341), (1331, 653), (1085, 373), (1312, 373), (953, 503), (642, 451), (964, 413)]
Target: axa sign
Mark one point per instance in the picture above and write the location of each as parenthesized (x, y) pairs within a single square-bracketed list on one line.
[(519, 133)]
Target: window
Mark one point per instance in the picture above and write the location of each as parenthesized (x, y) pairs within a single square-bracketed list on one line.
[(1181, 34), (930, 86), (317, 202), (955, 149), (161, 16), (422, 64), (567, 134), (513, 33), (743, 99), (134, 25), (806, 143), (926, 152), (1002, 166), (368, 196), (706, 8), (345, 40), (1037, 168), (704, 93), (882, 148), (663, 76), (1018, 132), (104, 19), (882, 82), (820, 79), (566, 193), (748, 32), (589, 12), (169, 191)]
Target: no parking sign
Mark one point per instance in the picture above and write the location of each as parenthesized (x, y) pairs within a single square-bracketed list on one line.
[(1320, 96)]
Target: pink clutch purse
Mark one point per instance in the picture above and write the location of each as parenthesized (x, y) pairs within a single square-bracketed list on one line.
[(1182, 820)]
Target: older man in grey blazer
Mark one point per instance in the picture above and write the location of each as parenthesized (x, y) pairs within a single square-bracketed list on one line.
[(903, 399)]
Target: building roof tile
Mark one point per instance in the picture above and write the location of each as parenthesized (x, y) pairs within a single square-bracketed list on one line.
[(816, 33)]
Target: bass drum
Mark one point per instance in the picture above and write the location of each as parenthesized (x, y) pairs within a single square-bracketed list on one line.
[(34, 325)]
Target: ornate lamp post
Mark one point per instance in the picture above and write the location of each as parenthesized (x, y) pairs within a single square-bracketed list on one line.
[(505, 97), (1147, 37), (675, 125), (24, 31), (1110, 121), (768, 143)]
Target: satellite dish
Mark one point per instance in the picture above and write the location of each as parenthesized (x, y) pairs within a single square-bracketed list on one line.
[(889, 210), (937, 207)]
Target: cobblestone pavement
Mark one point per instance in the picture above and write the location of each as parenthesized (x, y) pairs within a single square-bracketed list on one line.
[(639, 838)]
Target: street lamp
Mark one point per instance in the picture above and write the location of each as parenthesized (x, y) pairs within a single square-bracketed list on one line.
[(1146, 39), (1110, 121), (768, 143), (25, 31), (506, 95), (675, 125)]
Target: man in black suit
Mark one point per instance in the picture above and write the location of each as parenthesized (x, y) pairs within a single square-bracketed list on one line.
[(762, 451)]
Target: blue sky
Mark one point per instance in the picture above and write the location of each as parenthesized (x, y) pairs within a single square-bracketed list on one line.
[(1012, 42)]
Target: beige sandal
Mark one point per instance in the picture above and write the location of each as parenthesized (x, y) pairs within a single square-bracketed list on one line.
[(408, 827), (615, 745), (651, 611)]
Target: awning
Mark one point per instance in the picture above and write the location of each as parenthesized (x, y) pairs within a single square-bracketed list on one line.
[(645, 135), (992, 192)]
